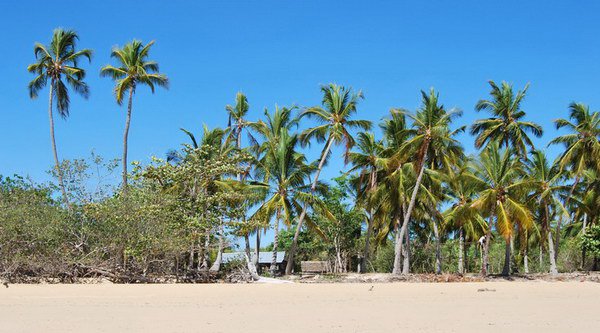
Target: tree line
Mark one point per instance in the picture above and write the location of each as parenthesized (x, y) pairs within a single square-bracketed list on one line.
[(412, 199)]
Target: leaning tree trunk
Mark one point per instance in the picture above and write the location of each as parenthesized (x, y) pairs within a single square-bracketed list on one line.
[(290, 264), (461, 251), (216, 266), (273, 267), (59, 173), (411, 205), (125, 138), (438, 249), (249, 261), (506, 268)]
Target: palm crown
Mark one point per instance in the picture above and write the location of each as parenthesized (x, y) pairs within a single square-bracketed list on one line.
[(58, 63), (506, 125)]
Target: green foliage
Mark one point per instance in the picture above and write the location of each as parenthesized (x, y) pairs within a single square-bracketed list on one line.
[(590, 241)]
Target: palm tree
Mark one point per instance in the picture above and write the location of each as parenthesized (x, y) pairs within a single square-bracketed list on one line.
[(461, 188), (286, 173), (134, 69), (57, 64), (582, 148), (501, 198), (368, 159), (506, 125), (431, 143), (546, 186), (339, 105)]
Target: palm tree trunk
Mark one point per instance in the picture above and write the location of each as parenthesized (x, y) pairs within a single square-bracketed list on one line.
[(125, 138), (461, 250), (273, 267), (485, 265), (506, 268), (397, 256), (438, 249), (365, 257), (249, 261), (406, 254), (255, 260), (59, 172), (411, 205), (290, 264), (216, 266), (553, 269), (559, 223), (551, 254), (525, 254)]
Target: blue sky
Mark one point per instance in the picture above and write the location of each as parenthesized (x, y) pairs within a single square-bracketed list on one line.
[(279, 52)]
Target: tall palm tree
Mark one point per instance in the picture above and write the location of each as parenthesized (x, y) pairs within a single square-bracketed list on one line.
[(461, 188), (339, 104), (506, 125), (431, 142), (285, 184), (57, 64), (501, 198), (546, 187), (134, 69), (582, 148), (368, 159)]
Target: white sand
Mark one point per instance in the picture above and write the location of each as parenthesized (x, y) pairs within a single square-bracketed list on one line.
[(307, 308)]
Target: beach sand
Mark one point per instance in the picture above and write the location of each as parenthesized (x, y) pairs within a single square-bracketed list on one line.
[(307, 308)]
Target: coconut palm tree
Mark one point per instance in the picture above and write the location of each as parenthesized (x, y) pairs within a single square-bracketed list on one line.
[(368, 159), (286, 185), (506, 125), (546, 186), (57, 64), (431, 142), (461, 188), (582, 148), (134, 69), (502, 198), (339, 104)]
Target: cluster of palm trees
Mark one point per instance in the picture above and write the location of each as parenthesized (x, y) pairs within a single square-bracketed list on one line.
[(56, 65), (415, 179)]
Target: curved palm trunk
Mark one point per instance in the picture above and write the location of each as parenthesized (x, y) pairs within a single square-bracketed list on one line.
[(125, 138), (273, 267), (59, 172), (290, 264), (559, 223), (411, 206)]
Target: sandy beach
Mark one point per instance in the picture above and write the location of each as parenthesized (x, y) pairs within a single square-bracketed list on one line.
[(408, 307)]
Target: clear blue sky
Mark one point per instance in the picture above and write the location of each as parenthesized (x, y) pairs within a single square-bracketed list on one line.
[(280, 52)]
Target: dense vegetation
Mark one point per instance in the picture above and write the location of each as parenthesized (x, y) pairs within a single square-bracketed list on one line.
[(412, 200)]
